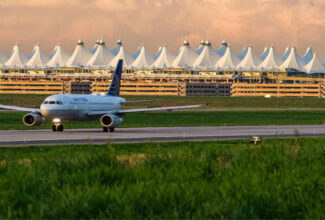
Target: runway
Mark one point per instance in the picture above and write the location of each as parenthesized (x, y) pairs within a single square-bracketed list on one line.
[(157, 134)]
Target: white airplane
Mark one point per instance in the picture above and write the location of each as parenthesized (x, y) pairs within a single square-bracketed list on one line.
[(106, 108)]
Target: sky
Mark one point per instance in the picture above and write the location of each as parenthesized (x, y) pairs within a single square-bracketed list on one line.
[(259, 23)]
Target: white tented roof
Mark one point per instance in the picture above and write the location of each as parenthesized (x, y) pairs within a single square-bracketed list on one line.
[(158, 52), (222, 50), (208, 57), (228, 61), (116, 49), (3, 58), (80, 56), (250, 61), (242, 54), (185, 57), (95, 47), (144, 60), (286, 53), (16, 58), (136, 54), (265, 53), (101, 57), (293, 61), (272, 61), (122, 55), (37, 58), (201, 47), (164, 60), (308, 55), (59, 57), (314, 66)]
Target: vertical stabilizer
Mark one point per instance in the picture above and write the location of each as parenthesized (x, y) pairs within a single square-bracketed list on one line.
[(114, 89)]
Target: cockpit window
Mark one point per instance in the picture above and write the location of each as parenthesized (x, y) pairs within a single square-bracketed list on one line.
[(53, 102)]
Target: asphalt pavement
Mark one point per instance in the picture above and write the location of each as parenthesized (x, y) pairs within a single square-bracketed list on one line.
[(156, 134)]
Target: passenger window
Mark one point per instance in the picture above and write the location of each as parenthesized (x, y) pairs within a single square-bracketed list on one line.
[(46, 102), (59, 102), (51, 102)]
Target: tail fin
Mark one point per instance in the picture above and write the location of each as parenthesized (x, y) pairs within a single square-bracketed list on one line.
[(114, 89)]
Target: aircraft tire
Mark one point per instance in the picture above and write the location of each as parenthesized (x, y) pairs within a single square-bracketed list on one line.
[(54, 128), (60, 128), (105, 129), (111, 129)]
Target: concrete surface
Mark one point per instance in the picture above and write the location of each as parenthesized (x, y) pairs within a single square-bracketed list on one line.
[(127, 135)]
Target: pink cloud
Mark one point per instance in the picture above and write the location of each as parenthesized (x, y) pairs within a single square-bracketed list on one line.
[(241, 22)]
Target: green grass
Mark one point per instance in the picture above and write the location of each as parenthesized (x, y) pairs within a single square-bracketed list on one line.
[(214, 102), (13, 120), (229, 179)]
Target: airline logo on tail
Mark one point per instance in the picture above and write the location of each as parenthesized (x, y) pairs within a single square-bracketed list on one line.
[(114, 89)]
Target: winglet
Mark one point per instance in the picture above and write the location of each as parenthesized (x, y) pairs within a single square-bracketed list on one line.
[(114, 89)]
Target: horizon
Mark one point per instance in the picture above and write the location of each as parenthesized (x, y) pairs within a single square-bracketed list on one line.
[(259, 23)]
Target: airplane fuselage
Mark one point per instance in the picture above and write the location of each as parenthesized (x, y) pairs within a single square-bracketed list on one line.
[(75, 107)]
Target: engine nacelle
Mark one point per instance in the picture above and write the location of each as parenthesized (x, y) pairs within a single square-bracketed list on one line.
[(32, 119), (111, 121)]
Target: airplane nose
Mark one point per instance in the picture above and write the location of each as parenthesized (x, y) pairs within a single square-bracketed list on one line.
[(44, 111), (48, 111)]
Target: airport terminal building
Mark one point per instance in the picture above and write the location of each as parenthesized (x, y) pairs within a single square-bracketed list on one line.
[(202, 72)]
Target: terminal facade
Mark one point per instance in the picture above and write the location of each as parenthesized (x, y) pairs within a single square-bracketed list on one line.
[(201, 72), (273, 85)]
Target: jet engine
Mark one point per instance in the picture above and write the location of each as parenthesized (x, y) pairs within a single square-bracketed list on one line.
[(32, 119), (111, 121)]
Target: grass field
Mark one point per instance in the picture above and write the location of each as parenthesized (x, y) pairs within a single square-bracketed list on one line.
[(13, 120), (230, 179), (214, 102)]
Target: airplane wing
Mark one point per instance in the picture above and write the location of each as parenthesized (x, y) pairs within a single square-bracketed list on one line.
[(169, 108), (139, 101), (18, 108)]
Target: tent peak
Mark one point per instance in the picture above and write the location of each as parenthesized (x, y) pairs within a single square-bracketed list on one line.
[(186, 43), (224, 43), (80, 42), (101, 42)]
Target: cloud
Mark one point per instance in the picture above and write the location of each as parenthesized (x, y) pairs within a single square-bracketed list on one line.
[(241, 22)]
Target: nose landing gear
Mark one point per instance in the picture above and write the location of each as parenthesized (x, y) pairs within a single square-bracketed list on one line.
[(111, 129), (57, 126)]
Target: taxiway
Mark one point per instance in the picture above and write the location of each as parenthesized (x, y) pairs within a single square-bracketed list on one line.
[(156, 134)]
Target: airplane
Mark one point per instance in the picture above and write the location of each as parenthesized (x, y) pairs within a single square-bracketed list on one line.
[(73, 107)]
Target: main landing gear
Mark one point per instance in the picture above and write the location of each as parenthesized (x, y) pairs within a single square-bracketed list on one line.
[(111, 129), (57, 126)]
